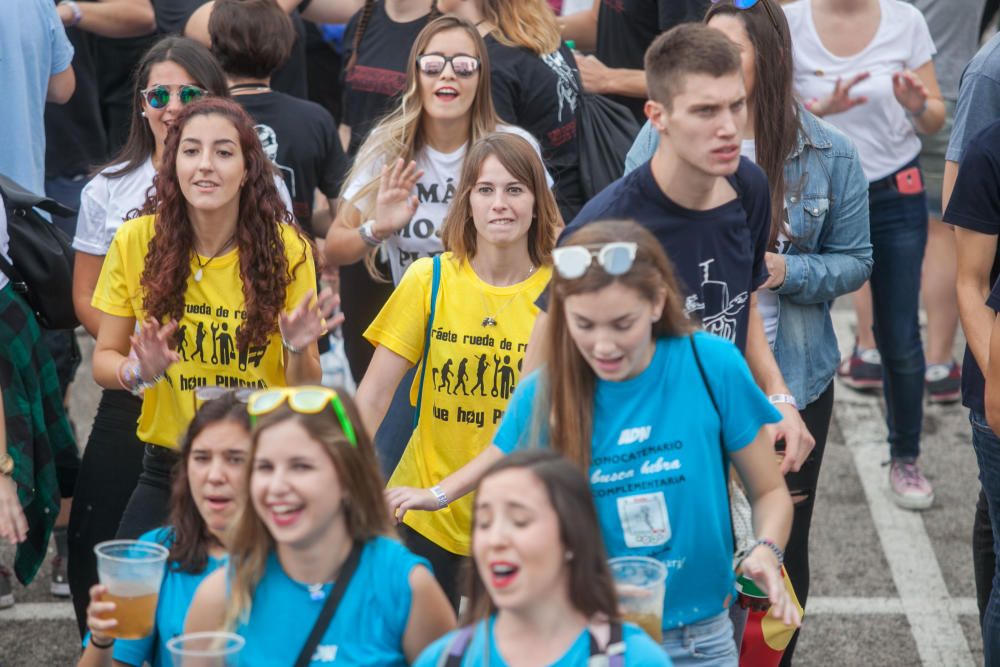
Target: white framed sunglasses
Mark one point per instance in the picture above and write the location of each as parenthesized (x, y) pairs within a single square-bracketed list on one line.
[(572, 261)]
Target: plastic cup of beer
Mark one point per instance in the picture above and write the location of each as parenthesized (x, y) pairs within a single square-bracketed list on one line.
[(132, 571), (641, 583), (205, 649)]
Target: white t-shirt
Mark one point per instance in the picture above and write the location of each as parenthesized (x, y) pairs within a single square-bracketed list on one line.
[(880, 128), (4, 244), (105, 202), (767, 301), (421, 237)]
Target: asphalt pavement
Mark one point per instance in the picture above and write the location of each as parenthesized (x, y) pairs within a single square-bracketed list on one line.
[(890, 588)]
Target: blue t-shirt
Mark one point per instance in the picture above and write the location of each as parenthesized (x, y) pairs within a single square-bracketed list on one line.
[(975, 205), (35, 48), (369, 624), (656, 464), (176, 592), (640, 650), (718, 254)]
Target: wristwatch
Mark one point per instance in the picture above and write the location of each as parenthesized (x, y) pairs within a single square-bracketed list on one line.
[(368, 235), (6, 465)]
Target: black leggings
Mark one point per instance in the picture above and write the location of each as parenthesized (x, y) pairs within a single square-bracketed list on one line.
[(802, 484), (449, 568), (108, 473), (150, 502)]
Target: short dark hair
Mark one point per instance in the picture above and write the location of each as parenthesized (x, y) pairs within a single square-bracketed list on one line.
[(250, 38), (689, 48)]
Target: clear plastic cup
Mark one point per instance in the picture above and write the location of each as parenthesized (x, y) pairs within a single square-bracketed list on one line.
[(132, 571), (206, 649), (641, 584)]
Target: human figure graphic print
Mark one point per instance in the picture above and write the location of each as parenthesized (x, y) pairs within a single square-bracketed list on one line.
[(717, 310)]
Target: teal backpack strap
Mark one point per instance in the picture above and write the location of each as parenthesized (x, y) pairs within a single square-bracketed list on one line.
[(435, 284)]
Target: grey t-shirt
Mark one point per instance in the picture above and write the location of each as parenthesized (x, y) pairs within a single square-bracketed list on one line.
[(954, 26), (978, 100)]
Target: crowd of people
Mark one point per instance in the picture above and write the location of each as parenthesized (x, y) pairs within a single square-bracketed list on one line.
[(391, 373)]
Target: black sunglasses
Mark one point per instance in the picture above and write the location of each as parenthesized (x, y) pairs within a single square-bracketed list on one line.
[(159, 96)]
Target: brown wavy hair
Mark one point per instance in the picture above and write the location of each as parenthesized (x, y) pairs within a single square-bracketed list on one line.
[(264, 267), (591, 588), (365, 511), (191, 538), (564, 403), (458, 232)]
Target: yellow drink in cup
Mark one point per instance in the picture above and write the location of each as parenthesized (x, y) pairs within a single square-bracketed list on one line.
[(641, 584), (132, 571)]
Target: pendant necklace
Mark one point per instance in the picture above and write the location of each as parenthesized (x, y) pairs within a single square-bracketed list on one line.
[(199, 274), (316, 591), (491, 320)]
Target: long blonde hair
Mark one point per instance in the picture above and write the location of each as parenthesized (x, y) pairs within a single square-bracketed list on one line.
[(400, 133), (564, 402), (365, 511), (525, 23), (521, 159)]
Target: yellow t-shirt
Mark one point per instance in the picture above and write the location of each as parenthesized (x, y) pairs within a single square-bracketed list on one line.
[(206, 334), (471, 373)]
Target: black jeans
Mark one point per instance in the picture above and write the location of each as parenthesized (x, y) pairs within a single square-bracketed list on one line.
[(150, 502), (108, 473), (802, 484), (449, 568), (983, 558)]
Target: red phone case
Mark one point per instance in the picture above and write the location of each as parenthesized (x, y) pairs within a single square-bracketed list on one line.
[(909, 181)]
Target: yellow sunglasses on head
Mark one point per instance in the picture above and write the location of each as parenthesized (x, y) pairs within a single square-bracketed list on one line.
[(308, 400)]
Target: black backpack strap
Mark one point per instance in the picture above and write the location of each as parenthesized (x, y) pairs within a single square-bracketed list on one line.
[(612, 655), (330, 606), (722, 443), (459, 644)]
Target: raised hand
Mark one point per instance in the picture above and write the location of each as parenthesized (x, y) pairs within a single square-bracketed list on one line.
[(840, 99), (910, 91), (152, 347), (395, 203), (311, 319)]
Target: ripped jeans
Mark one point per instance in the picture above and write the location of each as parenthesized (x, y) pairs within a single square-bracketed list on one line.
[(802, 486)]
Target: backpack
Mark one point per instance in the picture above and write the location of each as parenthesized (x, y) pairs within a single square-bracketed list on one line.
[(41, 266)]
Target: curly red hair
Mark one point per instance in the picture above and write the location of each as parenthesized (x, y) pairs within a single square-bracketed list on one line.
[(264, 268)]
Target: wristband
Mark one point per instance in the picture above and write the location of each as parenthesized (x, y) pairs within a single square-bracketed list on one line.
[(919, 112), (75, 9), (291, 348), (775, 549), (368, 235), (441, 496), (783, 398), (103, 647)]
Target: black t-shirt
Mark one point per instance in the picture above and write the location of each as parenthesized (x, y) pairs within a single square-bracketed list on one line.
[(718, 254), (541, 95), (116, 61), (173, 15), (626, 28), (975, 205), (372, 85), (300, 138), (75, 141)]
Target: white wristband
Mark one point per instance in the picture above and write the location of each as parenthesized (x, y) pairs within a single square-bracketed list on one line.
[(783, 398), (441, 496)]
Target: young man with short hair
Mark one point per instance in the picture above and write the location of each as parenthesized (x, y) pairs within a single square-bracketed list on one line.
[(708, 206)]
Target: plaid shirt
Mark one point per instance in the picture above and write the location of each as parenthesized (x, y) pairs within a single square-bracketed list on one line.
[(39, 437)]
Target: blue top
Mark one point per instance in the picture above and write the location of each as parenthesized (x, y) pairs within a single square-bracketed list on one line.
[(977, 108), (176, 592), (35, 48), (656, 464), (640, 650), (369, 624), (718, 254), (826, 200)]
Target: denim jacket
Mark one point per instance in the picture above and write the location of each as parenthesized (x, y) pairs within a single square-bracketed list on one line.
[(826, 199)]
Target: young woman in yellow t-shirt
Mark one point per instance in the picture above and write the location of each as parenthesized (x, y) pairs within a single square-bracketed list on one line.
[(499, 236), (214, 287)]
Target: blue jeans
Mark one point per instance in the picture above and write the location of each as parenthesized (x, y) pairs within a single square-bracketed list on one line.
[(899, 234), (987, 446), (707, 642), (66, 190)]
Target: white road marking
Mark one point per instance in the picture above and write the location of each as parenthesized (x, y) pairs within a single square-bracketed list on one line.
[(836, 606), (38, 611)]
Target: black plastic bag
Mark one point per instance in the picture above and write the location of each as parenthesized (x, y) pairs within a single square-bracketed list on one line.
[(41, 254), (606, 130)]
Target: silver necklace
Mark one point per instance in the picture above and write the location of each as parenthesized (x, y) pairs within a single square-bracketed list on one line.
[(491, 320), (199, 274)]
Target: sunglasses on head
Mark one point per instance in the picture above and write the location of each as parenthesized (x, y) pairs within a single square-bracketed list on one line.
[(159, 96), (433, 64), (572, 261), (747, 4), (303, 400)]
